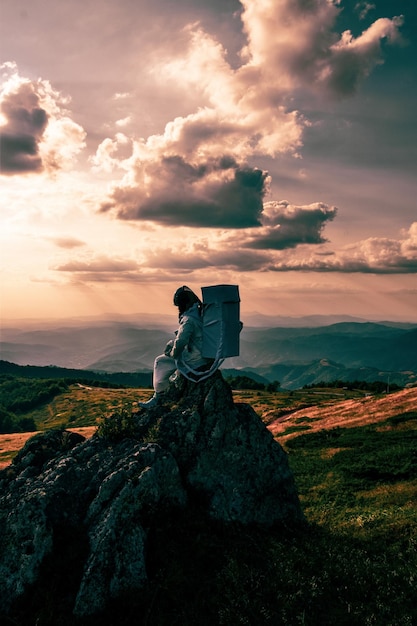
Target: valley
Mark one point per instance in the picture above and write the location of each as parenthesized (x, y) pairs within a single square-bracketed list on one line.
[(296, 356)]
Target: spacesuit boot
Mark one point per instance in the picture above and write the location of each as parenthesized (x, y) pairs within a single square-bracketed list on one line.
[(152, 403)]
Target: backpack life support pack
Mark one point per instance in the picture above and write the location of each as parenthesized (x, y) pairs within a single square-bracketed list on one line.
[(220, 318), (221, 323)]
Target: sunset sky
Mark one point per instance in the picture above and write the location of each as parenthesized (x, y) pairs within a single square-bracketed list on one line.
[(266, 143)]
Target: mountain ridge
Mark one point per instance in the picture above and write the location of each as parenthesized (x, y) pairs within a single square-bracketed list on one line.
[(358, 350)]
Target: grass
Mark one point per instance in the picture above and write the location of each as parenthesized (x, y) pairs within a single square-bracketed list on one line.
[(79, 407), (83, 406), (353, 564), (352, 469)]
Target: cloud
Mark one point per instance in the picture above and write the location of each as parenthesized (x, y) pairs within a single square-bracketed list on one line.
[(98, 264), (67, 242), (352, 59), (24, 124), (211, 194), (204, 257), (364, 8), (375, 255), (200, 171), (35, 132), (124, 122), (287, 226), (100, 268), (229, 252), (295, 45), (235, 252), (107, 158)]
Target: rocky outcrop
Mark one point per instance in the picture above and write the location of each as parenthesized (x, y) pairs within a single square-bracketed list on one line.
[(198, 447)]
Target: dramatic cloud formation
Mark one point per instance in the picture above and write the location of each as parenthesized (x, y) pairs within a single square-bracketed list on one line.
[(230, 252), (308, 53), (197, 173), (211, 194), (208, 142), (35, 132), (374, 255)]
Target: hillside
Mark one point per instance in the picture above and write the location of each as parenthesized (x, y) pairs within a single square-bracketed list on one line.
[(329, 414), (353, 345), (297, 375), (286, 414), (353, 460)]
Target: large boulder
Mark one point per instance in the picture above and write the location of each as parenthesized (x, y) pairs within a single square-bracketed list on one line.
[(104, 493), (226, 454), (101, 492)]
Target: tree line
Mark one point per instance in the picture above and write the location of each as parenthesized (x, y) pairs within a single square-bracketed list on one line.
[(245, 382), (88, 377), (20, 395)]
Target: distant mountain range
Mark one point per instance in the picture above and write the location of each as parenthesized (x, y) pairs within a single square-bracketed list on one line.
[(295, 356)]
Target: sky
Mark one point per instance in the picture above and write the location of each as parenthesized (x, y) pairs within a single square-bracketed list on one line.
[(270, 144)]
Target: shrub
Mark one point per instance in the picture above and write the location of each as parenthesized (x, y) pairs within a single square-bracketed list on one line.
[(116, 425), (11, 423), (245, 382), (8, 422), (20, 395)]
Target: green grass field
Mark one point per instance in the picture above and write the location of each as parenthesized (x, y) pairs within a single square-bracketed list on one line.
[(354, 563)]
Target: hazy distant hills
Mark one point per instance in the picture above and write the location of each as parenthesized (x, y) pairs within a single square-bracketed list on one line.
[(295, 355), (113, 347), (351, 344), (296, 376)]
